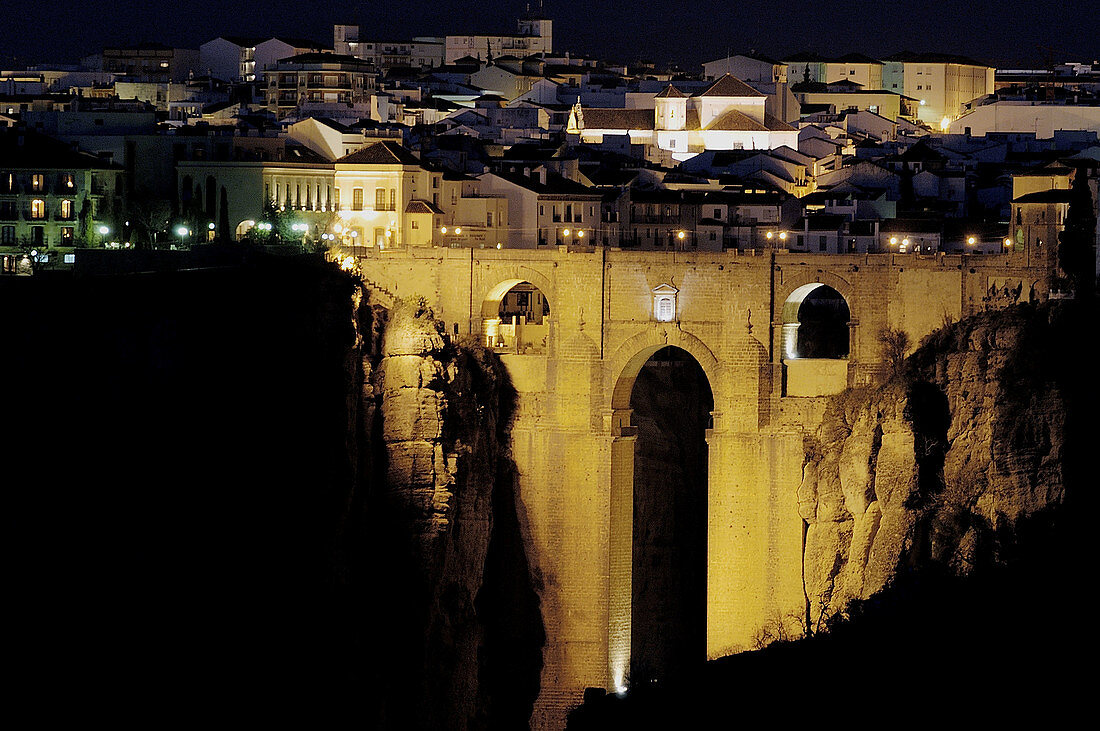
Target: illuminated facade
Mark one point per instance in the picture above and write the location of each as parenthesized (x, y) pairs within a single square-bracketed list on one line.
[(941, 84), (728, 115), (385, 198), (53, 200)]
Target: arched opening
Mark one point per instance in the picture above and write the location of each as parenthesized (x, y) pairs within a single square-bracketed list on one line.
[(516, 318), (243, 228), (816, 341), (815, 323), (659, 517)]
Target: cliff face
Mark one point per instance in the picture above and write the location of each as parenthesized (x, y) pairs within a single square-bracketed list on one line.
[(458, 596), (941, 466)]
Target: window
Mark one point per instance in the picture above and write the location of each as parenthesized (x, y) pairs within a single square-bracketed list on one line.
[(67, 181), (822, 243), (70, 258), (38, 236), (7, 183), (718, 213), (379, 199), (356, 199), (66, 209), (393, 199), (664, 309), (336, 199), (7, 235), (38, 209), (38, 182), (489, 219), (67, 236)]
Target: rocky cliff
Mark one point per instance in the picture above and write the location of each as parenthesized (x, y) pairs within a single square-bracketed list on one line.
[(463, 630), (943, 464)]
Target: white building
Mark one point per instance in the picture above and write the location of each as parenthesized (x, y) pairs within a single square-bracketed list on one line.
[(239, 58), (728, 115)]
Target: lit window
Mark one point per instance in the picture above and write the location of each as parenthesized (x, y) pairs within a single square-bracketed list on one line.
[(67, 236), (66, 209), (38, 182), (70, 258), (67, 181), (38, 209)]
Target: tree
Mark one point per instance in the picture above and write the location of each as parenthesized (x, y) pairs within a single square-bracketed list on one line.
[(894, 345), (223, 218), (1077, 241)]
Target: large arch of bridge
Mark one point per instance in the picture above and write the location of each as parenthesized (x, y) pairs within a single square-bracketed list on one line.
[(633, 354)]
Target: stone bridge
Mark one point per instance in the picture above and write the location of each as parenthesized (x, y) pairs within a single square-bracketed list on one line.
[(574, 367)]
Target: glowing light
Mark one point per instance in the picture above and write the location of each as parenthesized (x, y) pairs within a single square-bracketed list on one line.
[(181, 231), (893, 240), (905, 242), (1008, 242), (347, 263), (770, 235), (580, 234), (443, 230), (680, 235), (783, 236), (210, 226), (945, 123), (458, 231), (565, 232), (971, 240), (499, 246), (103, 230), (338, 228)]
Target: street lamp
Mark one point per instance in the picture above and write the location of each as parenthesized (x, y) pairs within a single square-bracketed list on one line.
[(182, 232)]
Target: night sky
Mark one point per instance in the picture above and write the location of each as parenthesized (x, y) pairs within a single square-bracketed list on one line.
[(1005, 32)]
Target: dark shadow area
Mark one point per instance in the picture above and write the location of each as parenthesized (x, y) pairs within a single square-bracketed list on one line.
[(672, 402), (454, 634), (823, 328), (176, 482)]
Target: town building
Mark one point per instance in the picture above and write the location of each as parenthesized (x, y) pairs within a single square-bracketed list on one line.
[(942, 84), (53, 199), (323, 84), (386, 198), (727, 115), (418, 53), (149, 62), (243, 58), (534, 36)]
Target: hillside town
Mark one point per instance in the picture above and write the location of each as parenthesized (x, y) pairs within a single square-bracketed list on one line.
[(361, 144)]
